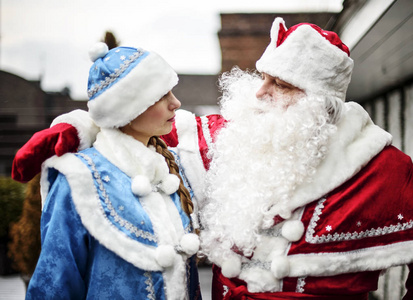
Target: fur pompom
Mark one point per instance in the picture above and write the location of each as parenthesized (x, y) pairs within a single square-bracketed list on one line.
[(190, 243), (231, 267), (280, 267), (141, 186), (165, 255), (97, 51), (170, 184), (292, 230)]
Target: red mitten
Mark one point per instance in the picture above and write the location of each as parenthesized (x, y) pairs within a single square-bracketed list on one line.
[(59, 139)]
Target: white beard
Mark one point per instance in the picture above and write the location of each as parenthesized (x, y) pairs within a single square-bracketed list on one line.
[(258, 160)]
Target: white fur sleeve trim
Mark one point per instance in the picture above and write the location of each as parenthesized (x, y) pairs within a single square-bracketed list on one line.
[(367, 259), (188, 149), (88, 206), (86, 128)]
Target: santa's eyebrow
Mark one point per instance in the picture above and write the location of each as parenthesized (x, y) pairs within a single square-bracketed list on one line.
[(283, 83)]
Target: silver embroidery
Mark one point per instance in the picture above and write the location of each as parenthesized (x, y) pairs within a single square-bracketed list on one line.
[(300, 285), (310, 236), (113, 76), (149, 286), (118, 219), (226, 289)]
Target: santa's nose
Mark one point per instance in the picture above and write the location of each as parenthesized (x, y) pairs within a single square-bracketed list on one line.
[(263, 91)]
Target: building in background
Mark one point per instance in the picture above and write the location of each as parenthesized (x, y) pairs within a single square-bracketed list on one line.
[(378, 33), (24, 109), (243, 37), (380, 37)]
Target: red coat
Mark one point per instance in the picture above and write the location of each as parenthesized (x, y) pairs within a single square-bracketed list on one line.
[(358, 221), (360, 227)]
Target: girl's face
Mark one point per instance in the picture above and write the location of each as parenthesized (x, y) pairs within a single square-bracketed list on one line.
[(155, 121)]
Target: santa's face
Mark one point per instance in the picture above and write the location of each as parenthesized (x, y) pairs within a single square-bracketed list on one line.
[(269, 147), (277, 90)]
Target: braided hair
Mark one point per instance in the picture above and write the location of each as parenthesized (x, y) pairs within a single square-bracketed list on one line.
[(183, 192)]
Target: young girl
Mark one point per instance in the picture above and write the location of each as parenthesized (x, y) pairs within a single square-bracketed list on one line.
[(116, 217)]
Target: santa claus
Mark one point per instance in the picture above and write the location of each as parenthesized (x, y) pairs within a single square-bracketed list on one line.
[(299, 194)]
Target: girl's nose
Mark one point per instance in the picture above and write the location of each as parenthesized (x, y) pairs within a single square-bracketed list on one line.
[(175, 103)]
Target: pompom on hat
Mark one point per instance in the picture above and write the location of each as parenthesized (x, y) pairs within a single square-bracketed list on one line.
[(124, 82), (310, 58)]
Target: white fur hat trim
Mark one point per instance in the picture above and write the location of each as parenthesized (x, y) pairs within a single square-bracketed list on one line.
[(280, 267), (141, 185), (189, 243), (292, 230), (130, 96), (231, 267), (308, 61), (170, 184), (165, 255)]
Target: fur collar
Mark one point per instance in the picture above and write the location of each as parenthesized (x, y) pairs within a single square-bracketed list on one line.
[(131, 156)]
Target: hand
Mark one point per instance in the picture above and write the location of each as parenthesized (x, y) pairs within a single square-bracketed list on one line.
[(57, 140)]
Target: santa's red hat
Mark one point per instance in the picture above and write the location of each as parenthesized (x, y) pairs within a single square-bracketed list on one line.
[(309, 58)]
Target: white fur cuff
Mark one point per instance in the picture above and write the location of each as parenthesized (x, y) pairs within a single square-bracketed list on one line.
[(86, 128)]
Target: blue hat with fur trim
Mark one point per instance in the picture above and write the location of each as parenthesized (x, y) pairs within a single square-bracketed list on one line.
[(124, 82)]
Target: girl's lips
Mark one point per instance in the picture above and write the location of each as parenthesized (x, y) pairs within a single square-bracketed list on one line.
[(172, 119)]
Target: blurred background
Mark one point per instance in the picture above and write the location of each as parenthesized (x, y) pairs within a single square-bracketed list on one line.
[(44, 67)]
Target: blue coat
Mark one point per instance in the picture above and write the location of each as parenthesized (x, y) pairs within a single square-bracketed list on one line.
[(99, 241)]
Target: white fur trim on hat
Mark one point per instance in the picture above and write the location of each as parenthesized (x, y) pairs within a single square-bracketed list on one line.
[(280, 267), (165, 255), (308, 61), (292, 230), (126, 99), (170, 184), (141, 185), (231, 267), (189, 243)]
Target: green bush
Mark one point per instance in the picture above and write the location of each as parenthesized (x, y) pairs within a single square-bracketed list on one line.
[(24, 246), (11, 203)]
